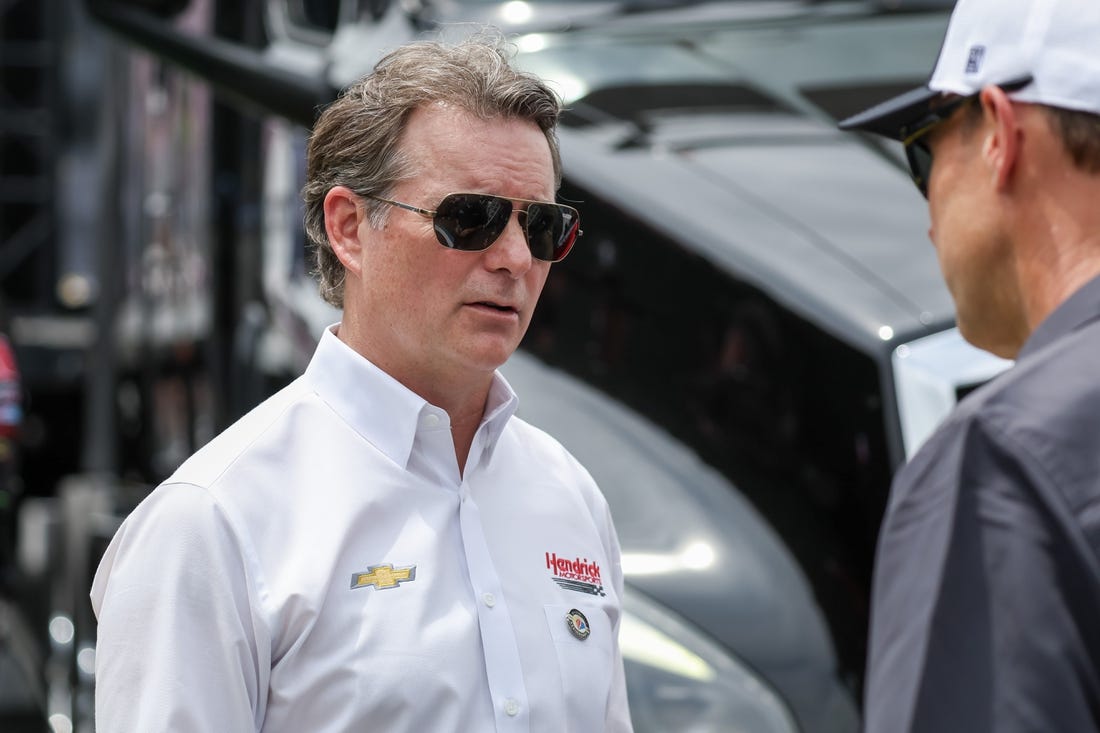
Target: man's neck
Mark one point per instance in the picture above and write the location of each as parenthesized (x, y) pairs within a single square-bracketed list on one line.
[(461, 395), (1062, 250), (463, 400)]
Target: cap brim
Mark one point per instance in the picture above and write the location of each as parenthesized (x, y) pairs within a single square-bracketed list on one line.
[(890, 117)]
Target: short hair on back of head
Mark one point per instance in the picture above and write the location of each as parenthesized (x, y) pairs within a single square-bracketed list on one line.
[(355, 142), (1080, 133)]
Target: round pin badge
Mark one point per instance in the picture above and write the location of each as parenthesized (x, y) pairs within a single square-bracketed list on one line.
[(578, 624)]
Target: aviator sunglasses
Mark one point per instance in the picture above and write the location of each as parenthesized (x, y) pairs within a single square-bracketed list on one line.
[(915, 137), (471, 222)]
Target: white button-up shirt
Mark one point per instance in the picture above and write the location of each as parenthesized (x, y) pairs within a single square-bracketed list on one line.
[(323, 566)]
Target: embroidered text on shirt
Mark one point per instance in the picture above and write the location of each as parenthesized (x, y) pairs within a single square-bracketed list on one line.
[(578, 575)]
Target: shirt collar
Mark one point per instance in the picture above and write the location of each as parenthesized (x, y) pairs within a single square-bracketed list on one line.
[(499, 407), (385, 412), (1077, 310)]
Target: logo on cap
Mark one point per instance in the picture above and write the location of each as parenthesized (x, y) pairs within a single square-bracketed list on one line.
[(578, 624), (974, 59)]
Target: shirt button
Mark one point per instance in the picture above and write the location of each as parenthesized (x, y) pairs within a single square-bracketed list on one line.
[(431, 420), (490, 600), (511, 707)]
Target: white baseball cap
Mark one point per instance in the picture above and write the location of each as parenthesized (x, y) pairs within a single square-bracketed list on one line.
[(1053, 43)]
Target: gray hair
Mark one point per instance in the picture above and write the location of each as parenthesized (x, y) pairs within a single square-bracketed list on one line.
[(355, 142)]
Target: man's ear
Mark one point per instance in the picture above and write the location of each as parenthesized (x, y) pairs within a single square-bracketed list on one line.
[(1001, 147), (343, 215)]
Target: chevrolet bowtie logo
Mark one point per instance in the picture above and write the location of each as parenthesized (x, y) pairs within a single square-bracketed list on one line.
[(383, 576)]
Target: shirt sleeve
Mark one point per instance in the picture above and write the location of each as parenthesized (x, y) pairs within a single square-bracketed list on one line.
[(179, 646), (979, 620)]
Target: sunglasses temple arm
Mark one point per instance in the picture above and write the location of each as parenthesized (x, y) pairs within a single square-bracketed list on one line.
[(407, 207)]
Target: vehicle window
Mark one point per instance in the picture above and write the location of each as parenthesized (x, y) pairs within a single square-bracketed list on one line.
[(314, 15), (632, 4), (844, 100), (636, 5)]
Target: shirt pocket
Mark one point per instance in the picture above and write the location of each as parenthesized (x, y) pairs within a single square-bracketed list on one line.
[(585, 664)]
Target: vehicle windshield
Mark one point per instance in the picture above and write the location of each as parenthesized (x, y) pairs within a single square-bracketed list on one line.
[(629, 4), (632, 6)]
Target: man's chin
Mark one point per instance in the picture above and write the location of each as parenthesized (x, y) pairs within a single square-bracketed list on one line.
[(487, 353)]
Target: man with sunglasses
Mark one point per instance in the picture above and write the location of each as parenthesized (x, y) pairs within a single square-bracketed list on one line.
[(383, 545), (986, 603)]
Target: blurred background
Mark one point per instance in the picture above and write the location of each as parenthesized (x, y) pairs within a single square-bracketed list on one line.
[(750, 338)]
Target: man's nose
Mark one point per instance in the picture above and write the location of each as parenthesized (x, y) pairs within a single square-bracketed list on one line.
[(510, 252)]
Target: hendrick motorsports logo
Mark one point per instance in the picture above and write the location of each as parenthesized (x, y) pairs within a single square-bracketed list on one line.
[(578, 574)]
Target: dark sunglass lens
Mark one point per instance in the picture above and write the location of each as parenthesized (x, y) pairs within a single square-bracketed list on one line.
[(542, 227), (551, 230), (471, 222), (920, 164)]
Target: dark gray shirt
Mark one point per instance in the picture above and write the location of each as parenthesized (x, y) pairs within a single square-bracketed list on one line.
[(986, 606)]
